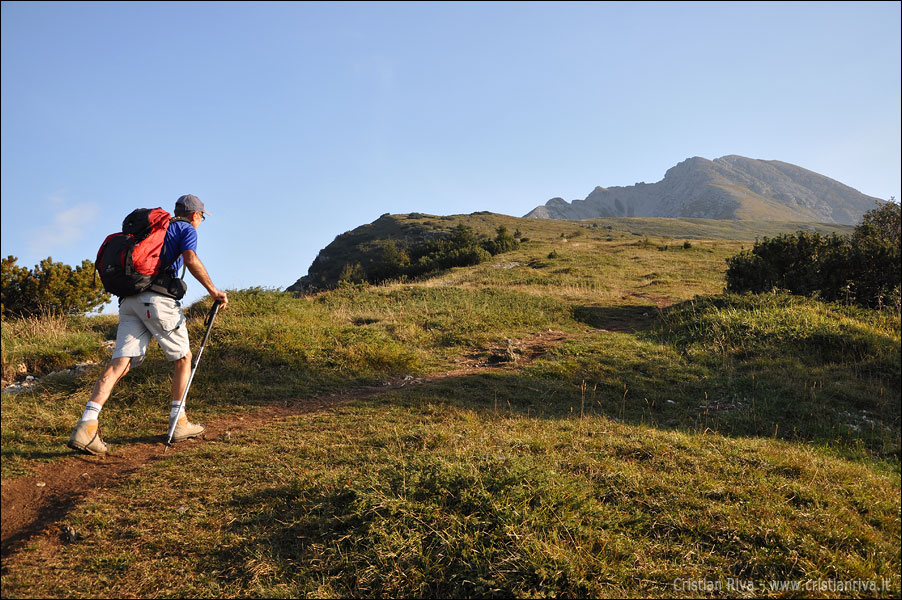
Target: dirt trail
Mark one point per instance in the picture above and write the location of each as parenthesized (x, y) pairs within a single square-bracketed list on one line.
[(34, 505)]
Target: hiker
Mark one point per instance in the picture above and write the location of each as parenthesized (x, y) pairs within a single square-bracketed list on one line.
[(154, 313)]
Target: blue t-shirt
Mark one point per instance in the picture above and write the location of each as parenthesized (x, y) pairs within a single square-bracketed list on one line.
[(180, 236)]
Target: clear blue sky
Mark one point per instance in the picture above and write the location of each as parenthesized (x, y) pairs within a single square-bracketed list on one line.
[(295, 122)]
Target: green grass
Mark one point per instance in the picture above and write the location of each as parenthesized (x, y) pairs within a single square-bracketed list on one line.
[(49, 343), (419, 495), (766, 366), (677, 435), (268, 346)]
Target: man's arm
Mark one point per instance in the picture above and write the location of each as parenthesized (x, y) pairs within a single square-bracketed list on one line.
[(200, 273)]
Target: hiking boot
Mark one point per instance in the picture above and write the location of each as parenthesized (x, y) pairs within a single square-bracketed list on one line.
[(185, 430), (86, 438)]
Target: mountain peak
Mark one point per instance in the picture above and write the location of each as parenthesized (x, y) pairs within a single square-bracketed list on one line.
[(729, 187)]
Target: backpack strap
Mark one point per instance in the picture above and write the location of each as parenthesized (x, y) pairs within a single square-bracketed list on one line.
[(167, 282), (183, 220), (163, 258)]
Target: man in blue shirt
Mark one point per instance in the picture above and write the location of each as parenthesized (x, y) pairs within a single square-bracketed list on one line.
[(154, 314)]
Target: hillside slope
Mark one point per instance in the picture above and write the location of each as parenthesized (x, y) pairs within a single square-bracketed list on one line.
[(366, 245), (584, 415), (730, 187)]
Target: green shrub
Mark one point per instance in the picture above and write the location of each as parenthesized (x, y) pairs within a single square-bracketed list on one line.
[(403, 259), (862, 268), (503, 242), (52, 287)]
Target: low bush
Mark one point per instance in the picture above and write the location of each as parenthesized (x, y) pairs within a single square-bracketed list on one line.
[(862, 268), (51, 287), (401, 259)]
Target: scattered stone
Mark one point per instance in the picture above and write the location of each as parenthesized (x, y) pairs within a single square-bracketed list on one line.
[(508, 355), (70, 535), (722, 406), (410, 379), (507, 265), (40, 484), (31, 380), (19, 386)]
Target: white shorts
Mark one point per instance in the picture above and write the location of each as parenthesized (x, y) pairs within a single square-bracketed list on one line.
[(151, 315)]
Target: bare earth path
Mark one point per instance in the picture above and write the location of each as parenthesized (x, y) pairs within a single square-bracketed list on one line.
[(33, 506)]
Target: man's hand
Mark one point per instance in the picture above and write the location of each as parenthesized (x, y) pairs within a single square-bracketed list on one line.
[(221, 297)]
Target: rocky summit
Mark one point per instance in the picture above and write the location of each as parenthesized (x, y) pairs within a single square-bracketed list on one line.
[(730, 187)]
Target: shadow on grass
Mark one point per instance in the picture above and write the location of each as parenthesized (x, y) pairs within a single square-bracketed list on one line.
[(37, 454), (754, 404), (622, 319)]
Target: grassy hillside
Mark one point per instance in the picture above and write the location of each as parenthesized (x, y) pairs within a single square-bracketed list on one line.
[(365, 244), (587, 415)]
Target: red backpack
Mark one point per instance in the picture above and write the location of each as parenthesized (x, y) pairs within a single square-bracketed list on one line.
[(130, 261)]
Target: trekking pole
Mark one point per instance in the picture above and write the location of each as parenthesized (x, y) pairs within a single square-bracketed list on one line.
[(200, 352)]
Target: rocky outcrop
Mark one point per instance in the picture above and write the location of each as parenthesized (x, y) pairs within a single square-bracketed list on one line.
[(730, 187)]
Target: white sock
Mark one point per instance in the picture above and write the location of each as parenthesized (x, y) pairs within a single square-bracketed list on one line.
[(178, 409), (92, 412)]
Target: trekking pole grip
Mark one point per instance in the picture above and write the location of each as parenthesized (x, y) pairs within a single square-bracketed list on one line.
[(209, 322)]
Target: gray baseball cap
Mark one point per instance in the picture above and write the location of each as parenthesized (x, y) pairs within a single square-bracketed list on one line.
[(191, 203)]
